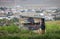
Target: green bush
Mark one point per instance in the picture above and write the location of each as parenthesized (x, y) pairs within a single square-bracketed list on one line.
[(9, 29)]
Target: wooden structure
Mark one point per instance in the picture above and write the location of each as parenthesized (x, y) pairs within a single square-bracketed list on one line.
[(32, 23)]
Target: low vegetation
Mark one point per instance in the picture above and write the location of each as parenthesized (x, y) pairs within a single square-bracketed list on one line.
[(13, 32)]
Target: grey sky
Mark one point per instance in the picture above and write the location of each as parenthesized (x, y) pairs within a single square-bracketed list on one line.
[(54, 3)]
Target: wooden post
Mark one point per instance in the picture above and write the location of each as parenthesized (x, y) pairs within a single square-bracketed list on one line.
[(42, 25)]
